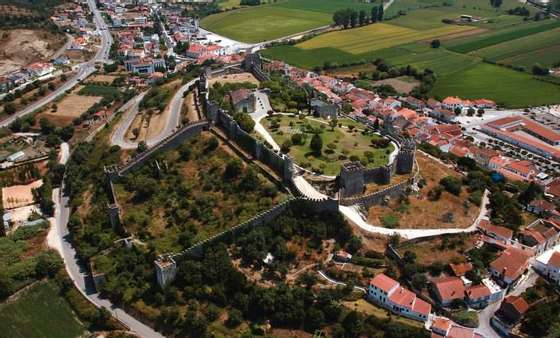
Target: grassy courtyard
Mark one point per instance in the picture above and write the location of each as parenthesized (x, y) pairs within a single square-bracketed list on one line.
[(346, 142), (39, 312), (202, 189), (285, 17)]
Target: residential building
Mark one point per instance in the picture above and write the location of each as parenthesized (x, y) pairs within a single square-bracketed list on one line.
[(478, 296), (484, 103), (495, 231), (452, 102), (460, 269), (448, 289), (443, 114), (509, 314), (342, 256), (510, 265), (541, 207), (388, 293), (442, 327), (548, 265), (540, 235)]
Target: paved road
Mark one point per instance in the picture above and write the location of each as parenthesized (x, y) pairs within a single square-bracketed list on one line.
[(118, 137), (263, 107), (84, 69), (60, 240)]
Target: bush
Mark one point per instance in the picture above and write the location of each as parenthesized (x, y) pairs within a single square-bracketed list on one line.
[(451, 185), (390, 221)]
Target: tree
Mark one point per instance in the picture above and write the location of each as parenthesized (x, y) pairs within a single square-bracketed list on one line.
[(496, 3), (245, 122), (353, 18), (435, 43), (333, 123), (233, 169), (316, 144), (374, 14), (362, 18), (9, 108), (540, 70), (532, 191), (451, 184), (470, 111), (297, 139), (380, 13), (285, 147), (458, 111)]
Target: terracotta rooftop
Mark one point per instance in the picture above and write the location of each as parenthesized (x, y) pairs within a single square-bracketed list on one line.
[(518, 303), (478, 291), (460, 269), (441, 323), (422, 307), (554, 259), (383, 282), (511, 263), (449, 288), (495, 229)]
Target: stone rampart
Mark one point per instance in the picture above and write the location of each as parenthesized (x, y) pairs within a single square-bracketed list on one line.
[(172, 141)]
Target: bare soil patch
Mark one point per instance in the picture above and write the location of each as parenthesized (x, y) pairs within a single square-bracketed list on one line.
[(102, 78), (446, 249), (70, 107), (403, 84), (234, 78), (20, 47), (422, 213), (351, 71)]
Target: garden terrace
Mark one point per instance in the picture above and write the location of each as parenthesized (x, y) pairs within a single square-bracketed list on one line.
[(438, 207), (192, 193), (341, 143)]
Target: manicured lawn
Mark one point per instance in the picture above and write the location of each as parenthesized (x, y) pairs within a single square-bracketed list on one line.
[(39, 312), (374, 37), (345, 143), (267, 22), (507, 87)]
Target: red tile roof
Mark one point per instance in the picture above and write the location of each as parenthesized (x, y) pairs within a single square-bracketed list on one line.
[(478, 291), (554, 259), (449, 288), (403, 297), (422, 307), (518, 303), (383, 282), (441, 324), (511, 263), (460, 269), (495, 229)]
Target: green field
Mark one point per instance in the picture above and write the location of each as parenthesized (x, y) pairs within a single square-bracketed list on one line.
[(267, 22), (338, 144), (505, 86), (514, 51), (39, 312), (470, 44)]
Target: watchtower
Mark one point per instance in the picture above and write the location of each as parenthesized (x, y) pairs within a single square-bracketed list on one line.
[(351, 179), (166, 270)]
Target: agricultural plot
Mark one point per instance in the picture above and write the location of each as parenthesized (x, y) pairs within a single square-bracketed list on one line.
[(339, 144), (267, 22), (39, 312), (540, 46), (507, 87), (375, 37), (470, 44)]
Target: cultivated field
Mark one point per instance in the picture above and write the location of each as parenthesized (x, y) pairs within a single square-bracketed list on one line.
[(39, 312), (507, 87), (375, 37), (267, 22), (338, 145)]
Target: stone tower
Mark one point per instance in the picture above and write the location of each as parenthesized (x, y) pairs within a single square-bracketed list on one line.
[(166, 270), (351, 179), (405, 157)]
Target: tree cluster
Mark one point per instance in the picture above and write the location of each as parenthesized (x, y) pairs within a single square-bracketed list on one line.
[(350, 18)]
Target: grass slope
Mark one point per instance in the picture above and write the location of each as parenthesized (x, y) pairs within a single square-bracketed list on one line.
[(267, 22), (39, 312)]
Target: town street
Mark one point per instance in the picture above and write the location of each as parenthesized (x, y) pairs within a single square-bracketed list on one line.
[(83, 70)]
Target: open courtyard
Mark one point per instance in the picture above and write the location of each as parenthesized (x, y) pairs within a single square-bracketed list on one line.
[(342, 143)]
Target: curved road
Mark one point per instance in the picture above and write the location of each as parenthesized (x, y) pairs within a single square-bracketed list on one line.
[(118, 137), (84, 69)]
